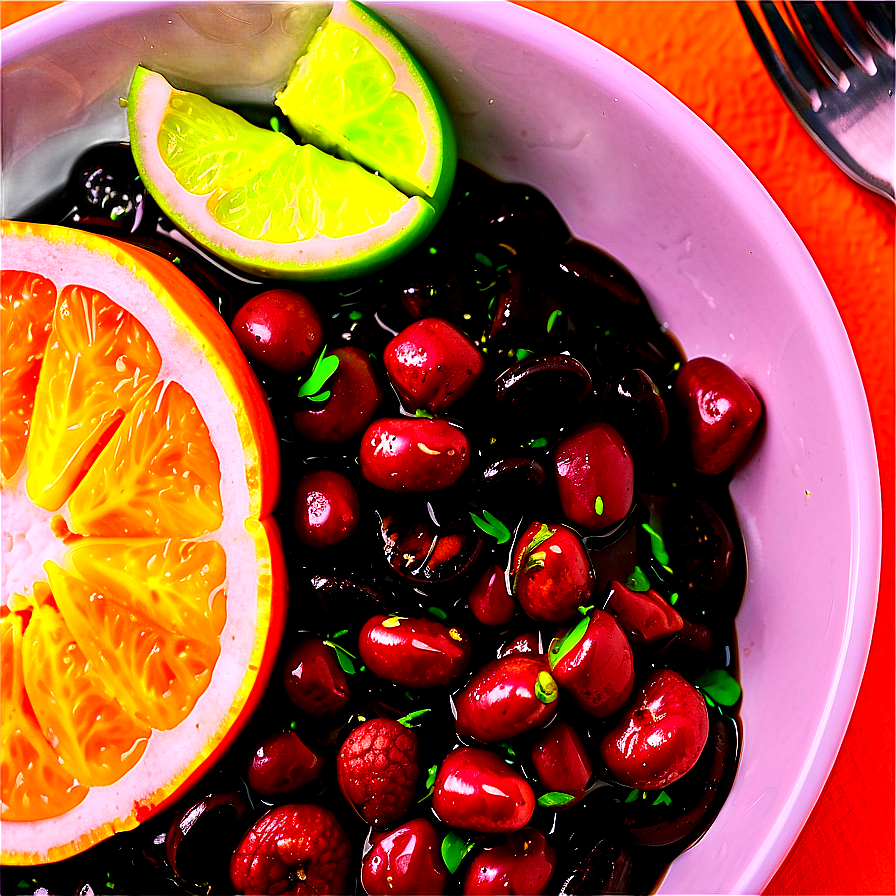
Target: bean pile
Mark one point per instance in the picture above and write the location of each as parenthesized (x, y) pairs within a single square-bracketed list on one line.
[(510, 543)]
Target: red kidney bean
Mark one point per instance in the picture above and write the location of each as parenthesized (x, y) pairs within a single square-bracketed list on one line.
[(595, 476), (660, 736), (592, 661), (326, 509), (355, 394), (415, 653), (314, 680), (413, 454), (432, 364), (722, 412), (279, 328), (562, 762), (283, 762), (506, 697), (490, 601)]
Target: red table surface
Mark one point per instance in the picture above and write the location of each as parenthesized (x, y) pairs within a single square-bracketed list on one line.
[(700, 52)]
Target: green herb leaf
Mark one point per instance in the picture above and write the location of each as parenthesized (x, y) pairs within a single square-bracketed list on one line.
[(535, 561), (673, 598), (321, 396), (432, 773), (406, 720), (553, 319), (324, 367), (599, 505), (541, 536), (637, 581), (561, 646), (719, 685), (483, 259), (555, 798), (355, 315), (491, 525), (657, 545), (454, 850), (343, 657), (538, 443), (422, 412), (633, 796), (438, 612), (546, 689), (663, 798), (522, 354)]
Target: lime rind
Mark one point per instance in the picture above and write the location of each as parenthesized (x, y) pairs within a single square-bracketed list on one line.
[(358, 92), (258, 200)]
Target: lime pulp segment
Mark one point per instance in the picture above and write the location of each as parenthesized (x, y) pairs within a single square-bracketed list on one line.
[(263, 186), (341, 97)]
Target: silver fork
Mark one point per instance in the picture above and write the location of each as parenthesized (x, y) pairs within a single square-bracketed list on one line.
[(833, 63)]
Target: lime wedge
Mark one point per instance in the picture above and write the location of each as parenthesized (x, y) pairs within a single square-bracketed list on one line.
[(359, 93), (367, 186)]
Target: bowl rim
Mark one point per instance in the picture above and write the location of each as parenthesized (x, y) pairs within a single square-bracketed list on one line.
[(58, 21)]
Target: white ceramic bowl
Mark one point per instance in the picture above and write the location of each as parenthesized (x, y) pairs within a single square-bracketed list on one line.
[(636, 173)]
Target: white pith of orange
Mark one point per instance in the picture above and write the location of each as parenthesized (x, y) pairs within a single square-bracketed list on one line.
[(199, 353)]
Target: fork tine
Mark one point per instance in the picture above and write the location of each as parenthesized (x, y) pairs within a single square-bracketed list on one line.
[(844, 21), (879, 18), (830, 53), (771, 59), (793, 53)]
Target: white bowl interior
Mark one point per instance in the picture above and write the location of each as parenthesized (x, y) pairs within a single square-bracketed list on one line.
[(634, 172)]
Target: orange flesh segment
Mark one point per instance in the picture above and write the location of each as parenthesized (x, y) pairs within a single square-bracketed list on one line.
[(26, 310), (89, 729), (34, 782), (99, 360), (128, 639), (158, 475), (136, 637)]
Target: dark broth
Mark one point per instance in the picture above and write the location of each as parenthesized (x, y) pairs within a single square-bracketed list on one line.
[(502, 266)]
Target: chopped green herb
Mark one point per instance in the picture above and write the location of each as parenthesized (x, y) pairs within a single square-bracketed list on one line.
[(422, 412), (491, 525), (633, 796), (657, 545), (406, 720), (438, 612), (673, 598), (663, 798), (599, 505), (433, 250), (343, 656), (561, 646), (637, 581), (324, 367), (355, 315), (546, 688), (719, 685), (535, 560), (538, 443), (432, 771), (522, 354), (586, 610), (555, 798), (483, 259), (553, 319), (454, 850), (275, 123)]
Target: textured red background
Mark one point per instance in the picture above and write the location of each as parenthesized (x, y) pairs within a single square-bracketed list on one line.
[(700, 52)]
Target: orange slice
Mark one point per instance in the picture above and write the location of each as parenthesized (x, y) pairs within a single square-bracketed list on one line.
[(144, 592)]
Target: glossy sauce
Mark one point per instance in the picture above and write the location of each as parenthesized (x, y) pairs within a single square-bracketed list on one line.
[(568, 337)]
